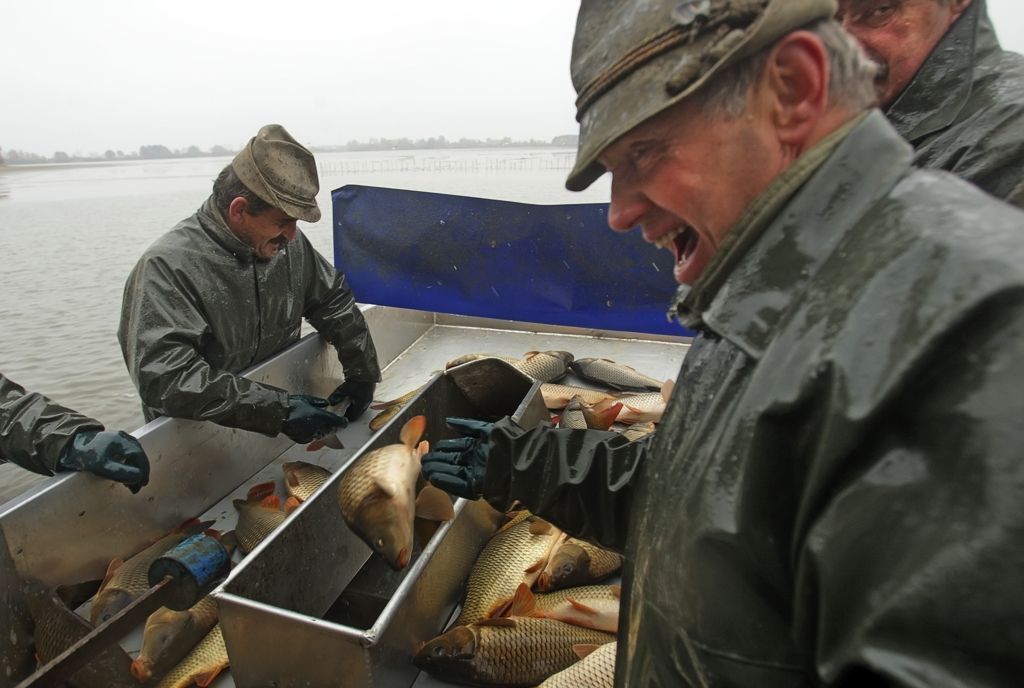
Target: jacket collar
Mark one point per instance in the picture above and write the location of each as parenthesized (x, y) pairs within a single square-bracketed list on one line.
[(941, 88), (749, 305), (213, 223)]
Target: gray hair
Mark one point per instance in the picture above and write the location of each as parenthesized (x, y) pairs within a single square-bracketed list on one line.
[(851, 84), (228, 187)]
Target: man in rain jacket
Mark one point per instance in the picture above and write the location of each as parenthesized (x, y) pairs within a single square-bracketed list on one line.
[(228, 287), (833, 496), (45, 437), (947, 86)]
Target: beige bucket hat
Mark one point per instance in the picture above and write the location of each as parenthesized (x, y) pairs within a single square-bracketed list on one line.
[(281, 171), (633, 59)]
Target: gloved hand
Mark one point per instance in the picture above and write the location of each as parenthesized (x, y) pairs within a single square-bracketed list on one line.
[(116, 456), (458, 466), (307, 419), (360, 392)]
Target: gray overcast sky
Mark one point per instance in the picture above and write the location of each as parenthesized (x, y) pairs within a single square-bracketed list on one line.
[(87, 76)]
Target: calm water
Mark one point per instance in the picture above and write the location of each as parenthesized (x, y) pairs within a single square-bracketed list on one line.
[(72, 233)]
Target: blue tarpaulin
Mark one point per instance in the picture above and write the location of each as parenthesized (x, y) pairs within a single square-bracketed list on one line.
[(553, 264)]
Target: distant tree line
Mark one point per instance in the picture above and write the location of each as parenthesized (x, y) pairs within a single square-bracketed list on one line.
[(157, 152)]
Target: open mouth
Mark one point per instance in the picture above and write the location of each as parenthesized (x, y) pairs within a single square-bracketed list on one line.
[(682, 241)]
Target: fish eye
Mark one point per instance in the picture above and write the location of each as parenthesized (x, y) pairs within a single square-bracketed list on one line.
[(380, 543), (438, 651)]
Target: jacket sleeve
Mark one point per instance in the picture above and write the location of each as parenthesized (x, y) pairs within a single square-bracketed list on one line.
[(35, 430), (580, 480), (912, 570), (331, 308), (161, 335)]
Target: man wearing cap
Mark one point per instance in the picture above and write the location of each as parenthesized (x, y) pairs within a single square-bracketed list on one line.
[(833, 494), (45, 437), (947, 86), (228, 287)]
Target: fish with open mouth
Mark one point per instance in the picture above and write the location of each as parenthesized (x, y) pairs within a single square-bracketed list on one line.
[(379, 500)]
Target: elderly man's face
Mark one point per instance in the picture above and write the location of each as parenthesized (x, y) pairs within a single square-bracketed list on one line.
[(266, 232), (685, 178), (898, 35)]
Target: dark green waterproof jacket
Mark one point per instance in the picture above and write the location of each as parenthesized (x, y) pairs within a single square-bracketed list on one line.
[(35, 430), (964, 110), (835, 495), (199, 308)]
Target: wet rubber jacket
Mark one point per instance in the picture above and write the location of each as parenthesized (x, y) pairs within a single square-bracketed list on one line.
[(198, 309), (834, 495), (964, 110), (34, 430)]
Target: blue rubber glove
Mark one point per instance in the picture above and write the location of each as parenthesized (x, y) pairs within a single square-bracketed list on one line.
[(307, 420), (358, 392), (115, 456), (458, 466)]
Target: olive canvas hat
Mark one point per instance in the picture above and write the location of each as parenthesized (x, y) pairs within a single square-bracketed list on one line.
[(633, 59), (281, 171)]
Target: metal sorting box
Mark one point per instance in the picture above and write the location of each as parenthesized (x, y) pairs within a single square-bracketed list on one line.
[(311, 606)]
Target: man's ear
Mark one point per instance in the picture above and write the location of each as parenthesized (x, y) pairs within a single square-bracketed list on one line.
[(796, 83), (237, 208)]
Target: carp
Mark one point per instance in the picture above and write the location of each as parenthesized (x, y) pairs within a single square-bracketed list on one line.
[(545, 366), (258, 515), (557, 397), (170, 635), (201, 665), (378, 497), (641, 408), (638, 430), (577, 562), (612, 374), (125, 581), (302, 479), (516, 554), (519, 651), (596, 668), (579, 415), (589, 606), (57, 628)]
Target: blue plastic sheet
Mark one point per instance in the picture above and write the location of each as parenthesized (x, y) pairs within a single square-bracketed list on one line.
[(553, 264)]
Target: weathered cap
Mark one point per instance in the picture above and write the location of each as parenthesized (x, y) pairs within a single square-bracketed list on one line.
[(633, 59), (281, 171)]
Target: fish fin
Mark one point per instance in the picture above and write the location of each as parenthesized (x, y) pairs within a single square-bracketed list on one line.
[(584, 649), (536, 566), (616, 590), (502, 621), (112, 568), (544, 581), (291, 504), (539, 526), (434, 504), (258, 492), (315, 445), (412, 431), (513, 520), (272, 502), (206, 678), (603, 419), (230, 541), (580, 607), (524, 602), (499, 609), (291, 478), (667, 389), (422, 448)]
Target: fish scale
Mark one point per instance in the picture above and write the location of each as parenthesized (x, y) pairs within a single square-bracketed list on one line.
[(613, 374), (596, 670), (302, 479), (210, 656), (255, 523), (529, 651), (546, 366), (558, 396), (502, 564)]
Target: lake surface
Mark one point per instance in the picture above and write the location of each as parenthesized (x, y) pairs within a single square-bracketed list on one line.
[(72, 233)]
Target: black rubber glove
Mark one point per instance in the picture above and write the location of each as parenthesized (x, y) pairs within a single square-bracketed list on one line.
[(115, 456), (360, 394), (458, 466), (307, 420)]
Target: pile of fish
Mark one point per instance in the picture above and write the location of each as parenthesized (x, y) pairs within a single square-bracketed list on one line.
[(179, 648), (508, 635), (625, 400)]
